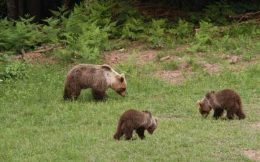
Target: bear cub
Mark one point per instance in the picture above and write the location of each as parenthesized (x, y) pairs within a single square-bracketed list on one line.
[(219, 101), (136, 120), (96, 77)]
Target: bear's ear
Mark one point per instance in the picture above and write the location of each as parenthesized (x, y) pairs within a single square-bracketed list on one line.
[(148, 112), (106, 67), (208, 95), (198, 103), (156, 120)]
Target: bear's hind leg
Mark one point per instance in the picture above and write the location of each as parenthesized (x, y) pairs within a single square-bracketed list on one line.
[(230, 114), (128, 130), (140, 132)]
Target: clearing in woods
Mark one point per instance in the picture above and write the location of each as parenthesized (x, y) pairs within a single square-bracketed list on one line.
[(36, 124)]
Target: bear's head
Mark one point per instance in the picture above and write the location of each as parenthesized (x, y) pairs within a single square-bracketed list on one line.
[(115, 80), (153, 122), (205, 104)]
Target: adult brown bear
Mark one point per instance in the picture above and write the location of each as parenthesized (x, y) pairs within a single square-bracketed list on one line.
[(96, 77)]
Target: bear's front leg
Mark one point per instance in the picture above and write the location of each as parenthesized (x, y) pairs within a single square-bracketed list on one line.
[(140, 132), (230, 114), (218, 112), (98, 95)]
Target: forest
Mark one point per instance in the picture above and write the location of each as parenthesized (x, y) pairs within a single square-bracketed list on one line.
[(171, 52)]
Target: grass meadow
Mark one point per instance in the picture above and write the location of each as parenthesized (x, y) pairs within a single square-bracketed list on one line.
[(37, 125)]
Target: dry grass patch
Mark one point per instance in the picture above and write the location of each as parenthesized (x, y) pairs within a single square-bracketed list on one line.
[(252, 154)]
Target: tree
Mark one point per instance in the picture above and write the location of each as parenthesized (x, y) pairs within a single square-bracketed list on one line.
[(38, 8)]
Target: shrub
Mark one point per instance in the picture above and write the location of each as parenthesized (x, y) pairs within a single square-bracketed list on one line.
[(88, 44), (84, 38), (218, 12), (204, 36), (182, 31), (51, 31), (155, 33), (23, 34), (133, 29), (13, 71)]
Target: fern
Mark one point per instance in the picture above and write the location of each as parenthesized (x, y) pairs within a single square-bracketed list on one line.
[(133, 29), (156, 33)]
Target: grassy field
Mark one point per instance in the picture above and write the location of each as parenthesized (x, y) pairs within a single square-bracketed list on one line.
[(37, 125)]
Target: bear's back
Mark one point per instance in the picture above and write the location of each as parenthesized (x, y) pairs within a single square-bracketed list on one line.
[(88, 75), (228, 98)]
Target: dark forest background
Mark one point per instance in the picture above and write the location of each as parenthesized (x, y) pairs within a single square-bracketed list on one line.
[(41, 8)]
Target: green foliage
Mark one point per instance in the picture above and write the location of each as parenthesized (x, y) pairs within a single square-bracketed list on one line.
[(18, 35), (84, 37), (88, 29), (51, 30), (183, 31), (88, 44), (156, 33), (13, 71), (251, 29), (235, 38), (206, 33), (133, 29), (25, 34), (218, 12), (204, 36)]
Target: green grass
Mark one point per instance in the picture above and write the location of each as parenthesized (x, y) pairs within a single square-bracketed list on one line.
[(37, 125)]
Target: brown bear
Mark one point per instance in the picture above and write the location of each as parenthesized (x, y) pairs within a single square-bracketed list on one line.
[(219, 101), (97, 77), (136, 120)]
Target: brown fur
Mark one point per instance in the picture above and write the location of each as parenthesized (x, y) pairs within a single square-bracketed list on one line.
[(84, 76), (219, 101), (136, 120)]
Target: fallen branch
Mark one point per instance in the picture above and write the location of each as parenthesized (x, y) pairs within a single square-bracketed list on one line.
[(246, 16)]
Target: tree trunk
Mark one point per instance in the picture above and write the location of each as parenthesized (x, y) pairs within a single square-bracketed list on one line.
[(35, 9), (38, 8), (12, 9)]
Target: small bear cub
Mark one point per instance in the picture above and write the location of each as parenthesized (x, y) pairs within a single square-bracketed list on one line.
[(136, 120), (96, 77), (219, 101)]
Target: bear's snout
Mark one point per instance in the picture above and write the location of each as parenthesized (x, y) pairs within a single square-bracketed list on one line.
[(122, 93)]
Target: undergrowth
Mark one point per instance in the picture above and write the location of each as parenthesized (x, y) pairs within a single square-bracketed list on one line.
[(86, 32)]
